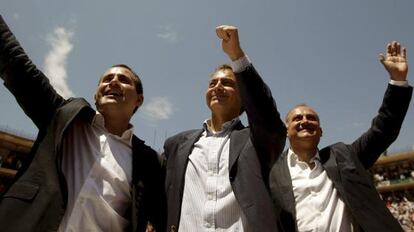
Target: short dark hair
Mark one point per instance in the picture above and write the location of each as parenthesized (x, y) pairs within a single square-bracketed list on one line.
[(220, 68), (137, 81)]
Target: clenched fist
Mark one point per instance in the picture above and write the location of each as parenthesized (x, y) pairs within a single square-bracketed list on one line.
[(230, 41)]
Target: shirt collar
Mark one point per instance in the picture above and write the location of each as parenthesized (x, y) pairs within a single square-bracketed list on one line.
[(126, 137), (293, 158), (226, 127)]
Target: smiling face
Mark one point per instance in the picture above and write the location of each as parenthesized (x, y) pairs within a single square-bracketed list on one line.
[(222, 95), (117, 92), (303, 127)]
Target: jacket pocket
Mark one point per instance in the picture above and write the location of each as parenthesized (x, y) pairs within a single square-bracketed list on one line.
[(22, 190)]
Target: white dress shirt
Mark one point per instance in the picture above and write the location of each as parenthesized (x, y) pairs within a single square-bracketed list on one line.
[(97, 166), (318, 205)]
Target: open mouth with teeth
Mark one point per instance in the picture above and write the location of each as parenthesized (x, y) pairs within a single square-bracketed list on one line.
[(306, 129), (218, 97), (114, 94), (309, 131)]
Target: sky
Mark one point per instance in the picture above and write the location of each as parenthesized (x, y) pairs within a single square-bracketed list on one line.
[(323, 53)]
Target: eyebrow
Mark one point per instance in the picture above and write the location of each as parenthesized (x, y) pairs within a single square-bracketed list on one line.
[(113, 74), (222, 78), (315, 116)]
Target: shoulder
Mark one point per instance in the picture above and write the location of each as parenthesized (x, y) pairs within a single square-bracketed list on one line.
[(182, 136), (339, 146), (342, 151), (75, 106), (139, 145), (282, 157)]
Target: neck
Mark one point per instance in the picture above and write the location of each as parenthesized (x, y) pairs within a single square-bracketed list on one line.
[(116, 123), (217, 121), (304, 154)]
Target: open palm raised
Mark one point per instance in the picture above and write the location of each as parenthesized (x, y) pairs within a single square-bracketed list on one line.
[(395, 62)]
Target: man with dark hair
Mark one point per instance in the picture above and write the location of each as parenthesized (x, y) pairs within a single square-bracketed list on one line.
[(88, 171), (217, 177), (329, 189)]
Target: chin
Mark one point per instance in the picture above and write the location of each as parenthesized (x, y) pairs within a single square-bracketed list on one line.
[(216, 107)]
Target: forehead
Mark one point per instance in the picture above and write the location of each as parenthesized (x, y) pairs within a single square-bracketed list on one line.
[(118, 71), (223, 74), (302, 110)]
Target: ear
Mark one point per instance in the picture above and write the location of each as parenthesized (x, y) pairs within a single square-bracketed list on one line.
[(140, 100), (321, 131), (287, 134), (96, 103)]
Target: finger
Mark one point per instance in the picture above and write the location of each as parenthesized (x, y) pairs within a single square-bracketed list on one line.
[(394, 48), (389, 49), (231, 30), (404, 53), (219, 31), (223, 33), (398, 49), (382, 58)]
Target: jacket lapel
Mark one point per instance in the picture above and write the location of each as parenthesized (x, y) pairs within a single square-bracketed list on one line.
[(66, 115), (284, 187), (238, 140), (184, 150), (330, 164)]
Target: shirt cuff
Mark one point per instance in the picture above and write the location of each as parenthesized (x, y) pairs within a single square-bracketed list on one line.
[(240, 64), (399, 83)]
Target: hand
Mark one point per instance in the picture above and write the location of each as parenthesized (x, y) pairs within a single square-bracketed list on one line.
[(230, 41), (150, 228), (395, 62)]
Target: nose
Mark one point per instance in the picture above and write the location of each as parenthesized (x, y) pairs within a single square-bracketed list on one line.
[(114, 81), (219, 86), (304, 121)]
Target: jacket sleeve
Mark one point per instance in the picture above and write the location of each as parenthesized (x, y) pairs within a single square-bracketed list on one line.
[(30, 86), (385, 127), (267, 130)]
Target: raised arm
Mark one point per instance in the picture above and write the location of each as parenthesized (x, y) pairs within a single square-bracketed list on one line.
[(268, 132), (386, 125), (29, 85)]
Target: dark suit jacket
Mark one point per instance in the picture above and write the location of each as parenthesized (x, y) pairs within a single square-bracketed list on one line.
[(248, 169), (346, 165), (37, 199)]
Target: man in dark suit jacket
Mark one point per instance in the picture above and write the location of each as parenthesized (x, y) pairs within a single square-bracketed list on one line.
[(88, 172), (329, 189), (217, 176)]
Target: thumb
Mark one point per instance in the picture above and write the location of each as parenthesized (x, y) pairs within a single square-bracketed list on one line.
[(382, 58)]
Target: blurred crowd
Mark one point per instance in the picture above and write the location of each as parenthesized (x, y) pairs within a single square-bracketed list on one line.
[(401, 205), (399, 172)]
